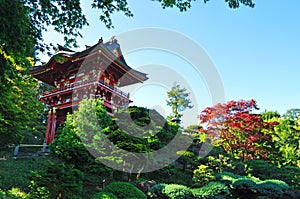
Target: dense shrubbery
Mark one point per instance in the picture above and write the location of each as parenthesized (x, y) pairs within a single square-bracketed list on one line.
[(214, 190), (171, 191), (59, 180), (203, 175), (104, 195), (242, 186), (2, 194), (171, 174), (66, 179), (16, 193), (124, 190), (264, 170)]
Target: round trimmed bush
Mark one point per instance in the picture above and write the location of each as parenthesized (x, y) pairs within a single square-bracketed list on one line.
[(176, 191), (104, 195), (172, 191), (124, 190), (274, 188), (214, 190)]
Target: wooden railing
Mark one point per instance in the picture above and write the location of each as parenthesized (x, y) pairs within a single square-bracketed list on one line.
[(77, 84)]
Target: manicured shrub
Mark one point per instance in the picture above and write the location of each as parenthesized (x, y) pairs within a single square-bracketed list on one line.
[(264, 170), (211, 191), (251, 187), (104, 195), (124, 190), (176, 191), (203, 175), (171, 191), (244, 187), (272, 188)]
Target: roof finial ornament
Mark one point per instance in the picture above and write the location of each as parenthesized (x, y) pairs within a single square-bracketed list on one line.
[(113, 39), (100, 40)]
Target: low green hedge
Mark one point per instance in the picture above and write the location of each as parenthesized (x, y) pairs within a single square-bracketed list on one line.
[(243, 186), (171, 191), (124, 190), (213, 190)]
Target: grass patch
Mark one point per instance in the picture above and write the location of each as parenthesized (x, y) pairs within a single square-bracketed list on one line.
[(17, 173)]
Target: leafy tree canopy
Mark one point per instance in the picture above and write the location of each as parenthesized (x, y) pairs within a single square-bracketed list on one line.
[(292, 114), (29, 18), (240, 132)]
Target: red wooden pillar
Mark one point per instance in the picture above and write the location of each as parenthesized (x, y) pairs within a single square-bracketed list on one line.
[(48, 128), (51, 126)]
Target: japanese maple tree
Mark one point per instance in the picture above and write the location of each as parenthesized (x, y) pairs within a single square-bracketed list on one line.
[(239, 131)]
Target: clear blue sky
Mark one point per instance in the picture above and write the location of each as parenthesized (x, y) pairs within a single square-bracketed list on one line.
[(256, 51)]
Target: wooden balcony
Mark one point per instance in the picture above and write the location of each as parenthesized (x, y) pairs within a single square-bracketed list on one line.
[(68, 100), (81, 84)]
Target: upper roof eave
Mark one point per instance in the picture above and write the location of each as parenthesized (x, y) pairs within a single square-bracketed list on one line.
[(104, 46)]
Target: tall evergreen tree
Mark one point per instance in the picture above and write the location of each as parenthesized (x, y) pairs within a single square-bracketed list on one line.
[(178, 100)]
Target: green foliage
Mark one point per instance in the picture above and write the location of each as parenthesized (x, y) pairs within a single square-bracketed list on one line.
[(285, 141), (39, 192), (171, 174), (19, 107), (90, 133), (187, 157), (124, 190), (172, 191), (272, 188), (203, 175), (144, 127), (104, 195), (250, 187), (184, 5), (178, 100), (220, 163), (17, 173), (264, 170), (16, 193), (192, 129), (213, 190), (292, 114), (69, 147), (244, 187), (175, 191), (2, 194), (58, 180), (82, 131), (268, 115)]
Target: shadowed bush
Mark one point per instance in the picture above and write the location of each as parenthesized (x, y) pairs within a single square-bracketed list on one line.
[(251, 187), (124, 190)]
